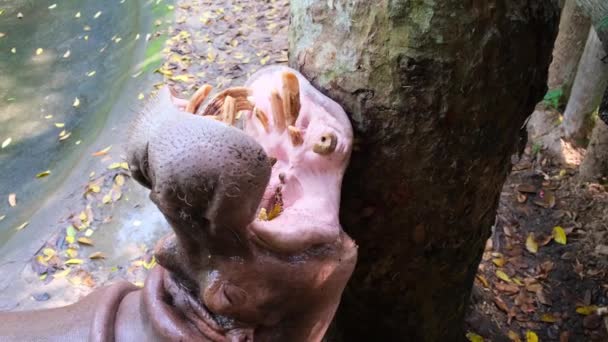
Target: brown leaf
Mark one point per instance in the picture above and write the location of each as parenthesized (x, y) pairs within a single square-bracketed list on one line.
[(508, 288), (85, 241), (527, 188), (97, 255), (501, 304)]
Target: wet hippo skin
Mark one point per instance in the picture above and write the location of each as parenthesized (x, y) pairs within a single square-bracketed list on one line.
[(258, 253)]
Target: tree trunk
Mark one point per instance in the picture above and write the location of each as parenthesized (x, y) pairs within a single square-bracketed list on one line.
[(589, 84), (573, 32), (595, 164), (598, 11), (437, 92)]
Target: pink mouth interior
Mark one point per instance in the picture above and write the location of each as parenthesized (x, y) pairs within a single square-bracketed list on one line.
[(305, 183)]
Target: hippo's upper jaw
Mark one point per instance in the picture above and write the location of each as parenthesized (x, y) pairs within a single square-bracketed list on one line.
[(258, 251)]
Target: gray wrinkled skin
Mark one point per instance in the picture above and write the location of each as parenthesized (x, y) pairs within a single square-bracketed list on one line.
[(217, 171)]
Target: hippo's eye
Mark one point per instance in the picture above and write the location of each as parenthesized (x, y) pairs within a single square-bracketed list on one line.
[(326, 145)]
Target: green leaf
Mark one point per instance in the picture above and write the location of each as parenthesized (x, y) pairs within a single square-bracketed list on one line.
[(553, 97)]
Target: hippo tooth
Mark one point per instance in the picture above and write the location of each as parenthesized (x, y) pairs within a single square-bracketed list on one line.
[(295, 135), (326, 145), (291, 97), (260, 115), (229, 110), (199, 96), (240, 94), (278, 114)]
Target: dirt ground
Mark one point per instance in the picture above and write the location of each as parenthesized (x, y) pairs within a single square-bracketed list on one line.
[(529, 283)]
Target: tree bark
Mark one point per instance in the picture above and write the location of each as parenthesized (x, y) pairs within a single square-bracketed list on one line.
[(437, 92), (595, 164), (589, 85), (573, 32), (598, 11)]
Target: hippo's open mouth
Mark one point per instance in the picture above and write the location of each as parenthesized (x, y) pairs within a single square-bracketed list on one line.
[(308, 144), (250, 183)]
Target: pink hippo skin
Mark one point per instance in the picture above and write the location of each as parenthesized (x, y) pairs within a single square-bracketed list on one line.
[(258, 253)]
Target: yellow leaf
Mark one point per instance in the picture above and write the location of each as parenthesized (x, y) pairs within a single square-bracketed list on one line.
[(59, 124), (483, 280), (39, 51), (210, 57), (74, 262), (43, 276), (264, 60), (502, 275), (23, 225), (49, 252), (12, 200), (66, 54), (97, 15), (183, 78), (2, 217), (76, 102), (513, 336), (94, 188), (77, 15), (531, 336), (559, 235), (91, 73), (85, 241), (138, 284), (548, 318), (53, 6), (88, 232), (518, 281), (69, 239), (71, 252), (50, 116), (140, 96), (531, 244), (43, 174), (6, 142), (97, 255), (473, 337), (106, 199), (13, 50), (63, 273), (119, 180), (499, 262), (124, 165), (113, 166), (586, 310)]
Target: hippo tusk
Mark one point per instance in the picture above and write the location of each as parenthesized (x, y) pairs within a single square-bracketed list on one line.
[(199, 96), (291, 97), (229, 110), (263, 118), (295, 135), (276, 103)]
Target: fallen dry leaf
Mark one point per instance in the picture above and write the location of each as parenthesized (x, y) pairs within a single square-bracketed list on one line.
[(559, 235), (531, 336), (12, 199), (531, 244), (102, 152)]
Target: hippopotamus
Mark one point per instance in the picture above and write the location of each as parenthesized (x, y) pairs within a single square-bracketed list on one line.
[(250, 184)]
